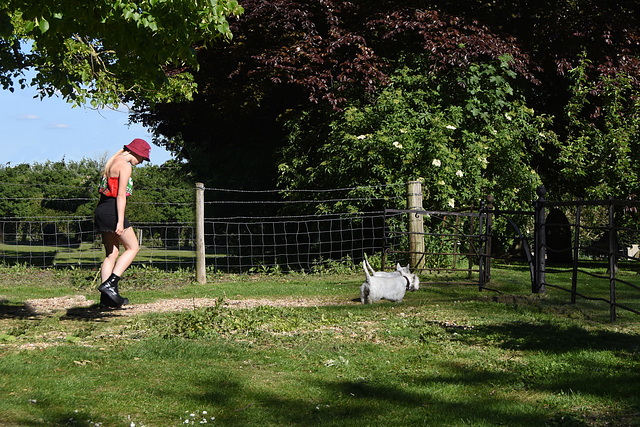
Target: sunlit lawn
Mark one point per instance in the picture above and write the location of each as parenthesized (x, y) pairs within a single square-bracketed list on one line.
[(447, 355)]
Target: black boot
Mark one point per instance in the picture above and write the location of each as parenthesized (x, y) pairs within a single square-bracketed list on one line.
[(109, 289), (105, 301)]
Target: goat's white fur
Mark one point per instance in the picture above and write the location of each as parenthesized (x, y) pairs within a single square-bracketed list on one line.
[(387, 285)]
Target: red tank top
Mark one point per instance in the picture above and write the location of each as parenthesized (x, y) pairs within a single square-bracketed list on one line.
[(109, 186)]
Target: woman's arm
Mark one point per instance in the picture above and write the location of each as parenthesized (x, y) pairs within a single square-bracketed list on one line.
[(121, 200)]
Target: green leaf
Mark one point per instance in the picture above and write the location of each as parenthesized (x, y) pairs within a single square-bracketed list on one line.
[(43, 25)]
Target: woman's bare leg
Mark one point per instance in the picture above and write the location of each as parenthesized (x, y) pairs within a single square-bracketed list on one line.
[(115, 264), (112, 248), (129, 241)]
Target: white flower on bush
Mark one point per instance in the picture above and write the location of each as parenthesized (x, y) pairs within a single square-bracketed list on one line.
[(459, 173), (436, 162), (507, 116), (361, 136), (397, 145), (441, 182), (452, 203), (451, 127)]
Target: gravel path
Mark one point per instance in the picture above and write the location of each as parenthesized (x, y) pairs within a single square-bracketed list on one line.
[(79, 302)]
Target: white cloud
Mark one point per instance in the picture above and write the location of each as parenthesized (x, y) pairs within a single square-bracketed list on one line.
[(29, 117), (58, 126)]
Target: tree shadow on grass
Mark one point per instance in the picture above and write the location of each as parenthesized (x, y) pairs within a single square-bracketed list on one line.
[(550, 337), (359, 402), (55, 417), (25, 311), (15, 311)]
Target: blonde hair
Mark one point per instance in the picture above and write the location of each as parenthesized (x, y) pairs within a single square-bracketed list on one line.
[(105, 171)]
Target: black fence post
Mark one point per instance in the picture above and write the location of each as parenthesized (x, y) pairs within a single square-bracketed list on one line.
[(613, 260), (540, 248), (488, 233), (576, 254), (482, 240)]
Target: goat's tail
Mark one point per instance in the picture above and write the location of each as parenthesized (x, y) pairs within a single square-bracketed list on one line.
[(371, 270), (366, 272)]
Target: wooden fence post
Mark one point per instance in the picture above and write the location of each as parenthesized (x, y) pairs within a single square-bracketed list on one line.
[(416, 225), (201, 265)]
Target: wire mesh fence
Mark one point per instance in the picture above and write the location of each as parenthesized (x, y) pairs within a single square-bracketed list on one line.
[(592, 246), (451, 243), (232, 244), (67, 242), (295, 243)]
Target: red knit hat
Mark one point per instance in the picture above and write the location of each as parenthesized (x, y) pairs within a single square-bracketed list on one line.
[(140, 147)]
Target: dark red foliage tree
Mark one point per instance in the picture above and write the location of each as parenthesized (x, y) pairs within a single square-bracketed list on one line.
[(287, 55)]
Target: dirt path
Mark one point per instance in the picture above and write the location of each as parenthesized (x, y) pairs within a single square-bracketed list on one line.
[(79, 302)]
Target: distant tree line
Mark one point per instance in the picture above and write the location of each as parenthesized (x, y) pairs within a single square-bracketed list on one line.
[(70, 188)]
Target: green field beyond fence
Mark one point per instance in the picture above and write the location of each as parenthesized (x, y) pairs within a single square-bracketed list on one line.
[(88, 255)]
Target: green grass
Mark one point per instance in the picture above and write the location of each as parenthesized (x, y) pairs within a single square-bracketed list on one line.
[(447, 355)]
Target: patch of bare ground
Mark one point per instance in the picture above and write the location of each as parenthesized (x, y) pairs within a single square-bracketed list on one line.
[(80, 308), (76, 303)]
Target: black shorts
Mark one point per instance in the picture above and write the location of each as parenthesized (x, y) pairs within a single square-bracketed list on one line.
[(106, 217)]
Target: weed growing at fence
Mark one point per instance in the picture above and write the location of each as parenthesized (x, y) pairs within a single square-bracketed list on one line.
[(261, 354)]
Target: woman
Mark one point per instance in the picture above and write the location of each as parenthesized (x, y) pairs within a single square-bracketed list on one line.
[(111, 222)]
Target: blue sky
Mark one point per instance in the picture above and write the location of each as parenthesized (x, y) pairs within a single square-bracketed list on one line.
[(34, 130)]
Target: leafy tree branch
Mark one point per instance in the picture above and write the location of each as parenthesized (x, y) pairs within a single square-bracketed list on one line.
[(106, 52)]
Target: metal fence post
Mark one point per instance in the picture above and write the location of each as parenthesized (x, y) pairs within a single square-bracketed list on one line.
[(416, 225), (613, 260), (488, 233), (540, 251), (201, 268), (482, 243), (576, 254)]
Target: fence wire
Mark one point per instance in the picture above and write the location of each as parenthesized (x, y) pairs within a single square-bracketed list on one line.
[(294, 243), (233, 243)]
